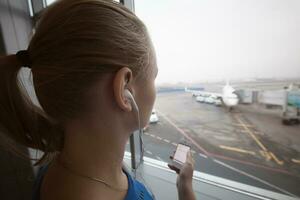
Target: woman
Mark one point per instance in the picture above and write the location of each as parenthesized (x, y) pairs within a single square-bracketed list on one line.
[(90, 59)]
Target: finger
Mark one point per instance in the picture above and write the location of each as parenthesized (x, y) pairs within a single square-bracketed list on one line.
[(190, 159), (174, 168), (172, 157), (189, 156)]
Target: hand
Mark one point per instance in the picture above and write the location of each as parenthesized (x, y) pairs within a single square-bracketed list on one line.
[(185, 174), (185, 178)]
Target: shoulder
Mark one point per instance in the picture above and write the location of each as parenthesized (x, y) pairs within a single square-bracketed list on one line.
[(137, 190)]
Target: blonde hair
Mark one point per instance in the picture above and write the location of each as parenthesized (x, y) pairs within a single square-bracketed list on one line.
[(74, 43)]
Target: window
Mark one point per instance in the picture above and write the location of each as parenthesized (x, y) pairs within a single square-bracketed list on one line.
[(230, 62)]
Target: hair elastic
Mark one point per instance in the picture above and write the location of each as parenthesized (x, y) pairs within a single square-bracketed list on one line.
[(23, 58)]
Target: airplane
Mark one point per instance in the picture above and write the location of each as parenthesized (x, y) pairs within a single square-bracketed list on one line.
[(228, 96)]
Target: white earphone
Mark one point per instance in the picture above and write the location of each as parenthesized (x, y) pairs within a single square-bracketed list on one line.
[(128, 94), (136, 108), (131, 98)]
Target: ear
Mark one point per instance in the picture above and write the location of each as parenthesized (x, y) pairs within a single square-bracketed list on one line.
[(121, 81)]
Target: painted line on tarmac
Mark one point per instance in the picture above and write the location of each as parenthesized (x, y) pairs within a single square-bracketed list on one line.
[(255, 132), (252, 164), (149, 152), (174, 144), (242, 125), (254, 177), (186, 130), (296, 161), (259, 143), (251, 134), (202, 155), (158, 158), (279, 162), (266, 155), (167, 141), (237, 150), (207, 154), (184, 133), (159, 138)]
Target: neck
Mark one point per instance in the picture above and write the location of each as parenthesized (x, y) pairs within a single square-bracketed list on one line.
[(95, 152)]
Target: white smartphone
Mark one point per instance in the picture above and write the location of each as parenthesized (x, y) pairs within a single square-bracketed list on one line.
[(179, 157)]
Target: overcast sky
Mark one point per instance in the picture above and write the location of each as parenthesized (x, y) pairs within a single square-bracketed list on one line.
[(199, 40)]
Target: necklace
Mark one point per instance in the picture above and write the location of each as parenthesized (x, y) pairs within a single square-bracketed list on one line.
[(88, 177)]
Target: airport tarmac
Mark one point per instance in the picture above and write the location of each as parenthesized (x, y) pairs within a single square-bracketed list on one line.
[(248, 145)]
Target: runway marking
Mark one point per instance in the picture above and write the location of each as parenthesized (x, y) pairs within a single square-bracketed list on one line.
[(267, 154), (186, 130), (273, 169), (146, 133), (223, 138), (279, 162), (184, 133), (152, 135), (149, 152), (253, 177), (202, 155), (165, 140), (242, 125), (159, 158), (255, 132), (173, 143), (158, 138), (237, 150), (224, 157), (296, 161), (247, 130)]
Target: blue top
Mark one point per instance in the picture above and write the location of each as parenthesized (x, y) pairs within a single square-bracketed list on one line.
[(136, 190)]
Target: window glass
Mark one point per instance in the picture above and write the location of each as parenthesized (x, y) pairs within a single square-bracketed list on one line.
[(228, 84)]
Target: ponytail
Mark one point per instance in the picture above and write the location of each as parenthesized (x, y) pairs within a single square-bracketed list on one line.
[(21, 121)]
